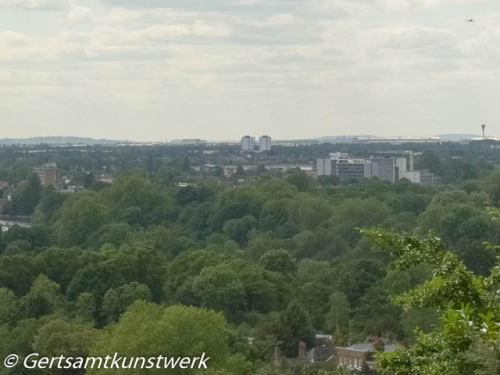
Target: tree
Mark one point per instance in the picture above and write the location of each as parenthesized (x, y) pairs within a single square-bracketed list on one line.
[(62, 336), (339, 312), (116, 301), (279, 261), (80, 216), (148, 330), (238, 229), (186, 164), (26, 197), (468, 309), (297, 327), (300, 179), (86, 307), (9, 309), (43, 298), (220, 288)]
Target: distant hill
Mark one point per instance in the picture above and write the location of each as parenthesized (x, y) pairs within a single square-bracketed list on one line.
[(337, 139), (58, 141), (349, 138)]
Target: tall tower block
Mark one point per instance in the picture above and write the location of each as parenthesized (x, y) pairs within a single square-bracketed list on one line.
[(484, 128)]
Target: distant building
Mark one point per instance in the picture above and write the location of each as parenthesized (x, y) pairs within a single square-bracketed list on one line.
[(396, 140), (401, 163), (210, 152), (265, 143), (48, 174), (383, 168), (326, 167), (188, 142), (351, 169), (105, 178), (412, 176), (423, 177), (338, 155), (428, 178), (247, 143), (355, 356)]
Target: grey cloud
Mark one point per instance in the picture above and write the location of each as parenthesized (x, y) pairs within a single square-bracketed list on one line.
[(47, 5)]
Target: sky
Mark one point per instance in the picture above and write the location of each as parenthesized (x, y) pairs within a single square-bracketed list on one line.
[(151, 70)]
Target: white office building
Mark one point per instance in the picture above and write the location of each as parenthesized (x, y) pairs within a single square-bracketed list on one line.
[(326, 167), (265, 143)]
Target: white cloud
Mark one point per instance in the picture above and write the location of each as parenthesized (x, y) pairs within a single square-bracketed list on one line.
[(293, 68), (49, 5)]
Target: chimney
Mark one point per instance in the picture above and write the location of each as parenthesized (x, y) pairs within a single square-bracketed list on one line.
[(277, 359), (302, 350), (379, 345), (484, 128)]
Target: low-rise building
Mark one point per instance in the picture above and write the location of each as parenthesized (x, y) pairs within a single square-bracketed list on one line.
[(187, 142), (428, 178), (105, 178), (355, 356)]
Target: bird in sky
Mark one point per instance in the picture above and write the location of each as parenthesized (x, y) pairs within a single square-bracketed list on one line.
[(471, 20)]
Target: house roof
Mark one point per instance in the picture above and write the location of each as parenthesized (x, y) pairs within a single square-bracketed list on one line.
[(321, 353), (367, 348)]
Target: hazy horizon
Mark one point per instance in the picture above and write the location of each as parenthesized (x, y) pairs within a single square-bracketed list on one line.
[(293, 69)]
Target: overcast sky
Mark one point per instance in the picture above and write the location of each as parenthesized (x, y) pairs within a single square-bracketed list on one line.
[(220, 69)]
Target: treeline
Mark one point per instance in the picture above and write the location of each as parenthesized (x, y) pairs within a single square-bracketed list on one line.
[(282, 260)]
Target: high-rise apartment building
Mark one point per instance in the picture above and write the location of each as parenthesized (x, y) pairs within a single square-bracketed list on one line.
[(265, 143), (247, 143)]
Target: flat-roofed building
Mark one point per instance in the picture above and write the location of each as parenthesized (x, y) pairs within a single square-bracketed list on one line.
[(351, 169), (428, 178), (383, 168), (247, 143), (265, 143), (48, 174), (326, 167), (413, 176)]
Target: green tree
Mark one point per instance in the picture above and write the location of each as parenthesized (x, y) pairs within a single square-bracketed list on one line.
[(238, 229), (339, 312), (468, 309), (80, 216), (280, 261), (43, 298), (86, 307), (26, 197), (62, 336), (9, 309), (220, 288), (148, 330)]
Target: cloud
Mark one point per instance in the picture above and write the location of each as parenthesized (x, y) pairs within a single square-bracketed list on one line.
[(254, 63), (411, 37), (47, 5)]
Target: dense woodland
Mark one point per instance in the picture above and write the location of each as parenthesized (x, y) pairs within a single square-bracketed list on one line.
[(278, 258)]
